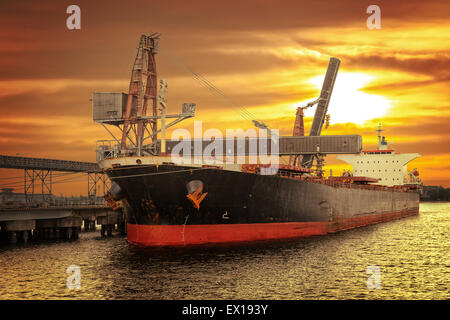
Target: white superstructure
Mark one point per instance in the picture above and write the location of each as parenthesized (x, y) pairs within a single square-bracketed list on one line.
[(383, 164)]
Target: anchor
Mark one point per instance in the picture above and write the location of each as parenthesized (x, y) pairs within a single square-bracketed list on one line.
[(196, 197)]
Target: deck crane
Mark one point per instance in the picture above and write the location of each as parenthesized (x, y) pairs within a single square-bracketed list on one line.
[(299, 128), (320, 116)]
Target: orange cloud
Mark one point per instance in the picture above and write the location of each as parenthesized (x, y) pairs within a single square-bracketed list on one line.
[(262, 55)]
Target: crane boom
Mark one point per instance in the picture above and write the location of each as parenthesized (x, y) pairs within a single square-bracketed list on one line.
[(322, 106)]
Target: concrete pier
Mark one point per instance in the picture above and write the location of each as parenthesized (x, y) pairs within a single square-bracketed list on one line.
[(22, 225), (89, 224), (17, 231), (109, 222), (56, 229)]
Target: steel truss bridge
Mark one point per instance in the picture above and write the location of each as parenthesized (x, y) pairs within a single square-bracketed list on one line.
[(40, 171)]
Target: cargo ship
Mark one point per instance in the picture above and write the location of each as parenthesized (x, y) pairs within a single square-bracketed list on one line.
[(172, 205), (168, 203)]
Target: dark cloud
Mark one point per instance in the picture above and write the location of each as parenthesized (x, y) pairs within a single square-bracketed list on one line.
[(36, 42), (401, 86), (71, 102), (94, 60), (425, 146), (436, 66), (71, 150), (427, 126)]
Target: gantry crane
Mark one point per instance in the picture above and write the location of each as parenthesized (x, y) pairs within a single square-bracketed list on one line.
[(131, 117), (139, 99)]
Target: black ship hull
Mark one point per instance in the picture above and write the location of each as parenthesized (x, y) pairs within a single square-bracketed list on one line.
[(234, 206)]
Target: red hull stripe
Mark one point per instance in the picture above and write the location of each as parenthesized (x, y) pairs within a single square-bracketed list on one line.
[(180, 235)]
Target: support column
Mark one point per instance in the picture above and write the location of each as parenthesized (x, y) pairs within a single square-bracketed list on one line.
[(51, 233), (75, 231), (109, 229), (12, 237), (45, 233), (3, 236), (122, 227), (57, 233), (87, 225), (24, 236), (68, 233)]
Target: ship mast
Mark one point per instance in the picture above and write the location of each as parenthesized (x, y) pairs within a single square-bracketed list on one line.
[(382, 143)]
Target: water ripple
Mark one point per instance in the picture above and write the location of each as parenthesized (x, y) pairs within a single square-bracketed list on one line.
[(413, 256)]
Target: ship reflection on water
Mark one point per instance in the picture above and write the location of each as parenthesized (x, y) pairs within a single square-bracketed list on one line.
[(413, 255)]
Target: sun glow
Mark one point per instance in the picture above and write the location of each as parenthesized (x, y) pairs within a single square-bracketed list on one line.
[(348, 102)]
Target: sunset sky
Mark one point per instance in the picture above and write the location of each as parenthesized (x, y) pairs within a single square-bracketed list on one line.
[(268, 56)]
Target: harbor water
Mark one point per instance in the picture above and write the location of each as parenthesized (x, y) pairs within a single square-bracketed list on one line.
[(402, 259)]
